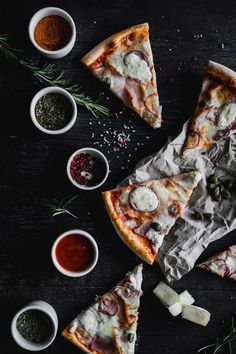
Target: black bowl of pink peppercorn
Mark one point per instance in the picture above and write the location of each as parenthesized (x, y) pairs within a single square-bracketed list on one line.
[(87, 168)]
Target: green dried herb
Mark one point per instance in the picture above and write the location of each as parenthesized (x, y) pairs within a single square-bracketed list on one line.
[(34, 326), (53, 111)]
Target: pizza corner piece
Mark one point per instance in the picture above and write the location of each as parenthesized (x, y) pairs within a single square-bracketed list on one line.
[(222, 264), (144, 213), (109, 325), (124, 62), (215, 116)]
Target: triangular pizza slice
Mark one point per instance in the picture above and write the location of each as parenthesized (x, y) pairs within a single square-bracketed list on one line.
[(124, 61), (215, 116), (109, 325), (143, 213), (223, 264)]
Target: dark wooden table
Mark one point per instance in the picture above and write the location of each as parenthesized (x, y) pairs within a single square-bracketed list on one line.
[(184, 36)]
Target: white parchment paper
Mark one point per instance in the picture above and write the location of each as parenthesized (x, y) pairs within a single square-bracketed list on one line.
[(188, 238)]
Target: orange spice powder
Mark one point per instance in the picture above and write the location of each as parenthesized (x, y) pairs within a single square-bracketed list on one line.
[(52, 32)]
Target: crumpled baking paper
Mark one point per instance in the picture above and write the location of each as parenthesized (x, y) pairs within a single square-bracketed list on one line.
[(188, 238)]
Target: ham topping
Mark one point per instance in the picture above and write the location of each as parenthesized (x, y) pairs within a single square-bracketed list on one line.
[(127, 291), (108, 305), (143, 228), (212, 114), (103, 345)]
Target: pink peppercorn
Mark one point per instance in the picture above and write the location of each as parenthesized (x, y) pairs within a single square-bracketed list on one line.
[(85, 170)]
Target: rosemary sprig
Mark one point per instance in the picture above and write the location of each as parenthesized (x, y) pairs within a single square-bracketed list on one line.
[(227, 339), (48, 74), (57, 208)]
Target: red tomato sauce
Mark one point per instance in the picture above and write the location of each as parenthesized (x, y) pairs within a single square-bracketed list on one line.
[(75, 252)]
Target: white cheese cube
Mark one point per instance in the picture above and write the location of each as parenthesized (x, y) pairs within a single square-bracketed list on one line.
[(185, 298), (166, 295), (175, 309), (196, 314)]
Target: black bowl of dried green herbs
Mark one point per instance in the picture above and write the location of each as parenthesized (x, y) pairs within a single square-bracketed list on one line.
[(53, 110), (34, 327)]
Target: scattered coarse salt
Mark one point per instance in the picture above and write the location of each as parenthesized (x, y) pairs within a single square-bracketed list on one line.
[(122, 139)]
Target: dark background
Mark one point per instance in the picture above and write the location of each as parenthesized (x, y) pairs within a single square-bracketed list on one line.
[(184, 36)]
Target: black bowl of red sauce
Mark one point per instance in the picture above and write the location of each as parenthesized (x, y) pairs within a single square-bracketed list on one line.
[(75, 253), (87, 168)]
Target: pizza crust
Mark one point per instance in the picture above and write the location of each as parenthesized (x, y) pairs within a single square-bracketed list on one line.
[(73, 339), (131, 239), (96, 52), (221, 71)]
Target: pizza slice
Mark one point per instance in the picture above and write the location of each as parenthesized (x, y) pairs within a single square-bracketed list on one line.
[(124, 61), (223, 264), (215, 116), (109, 325), (143, 213)]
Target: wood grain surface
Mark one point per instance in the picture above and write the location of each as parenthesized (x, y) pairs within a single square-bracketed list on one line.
[(184, 36)]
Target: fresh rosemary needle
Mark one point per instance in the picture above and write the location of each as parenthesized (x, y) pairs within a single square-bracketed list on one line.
[(48, 74), (57, 208), (218, 346)]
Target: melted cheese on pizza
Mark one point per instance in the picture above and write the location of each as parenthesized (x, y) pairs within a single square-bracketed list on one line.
[(131, 65)]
